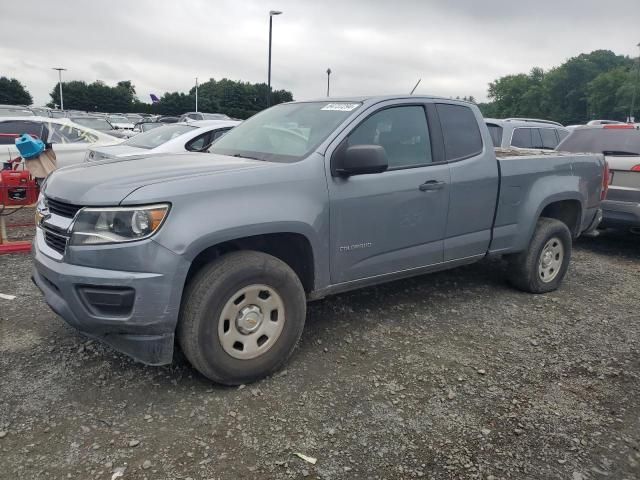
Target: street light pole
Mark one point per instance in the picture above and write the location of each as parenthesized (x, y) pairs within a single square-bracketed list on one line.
[(328, 77), (60, 70), (272, 13), (196, 94)]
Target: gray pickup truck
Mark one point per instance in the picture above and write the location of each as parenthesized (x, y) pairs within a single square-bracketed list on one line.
[(306, 199)]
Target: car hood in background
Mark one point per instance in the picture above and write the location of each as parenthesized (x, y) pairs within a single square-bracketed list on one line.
[(115, 151), (109, 182)]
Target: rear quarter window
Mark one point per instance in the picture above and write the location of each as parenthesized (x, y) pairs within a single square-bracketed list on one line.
[(496, 134), (562, 134), (460, 131), (549, 138), (521, 138)]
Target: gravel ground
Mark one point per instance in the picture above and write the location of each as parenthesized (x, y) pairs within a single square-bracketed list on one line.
[(448, 376)]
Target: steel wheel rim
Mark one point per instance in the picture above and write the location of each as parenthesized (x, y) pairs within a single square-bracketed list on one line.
[(251, 322), (551, 258)]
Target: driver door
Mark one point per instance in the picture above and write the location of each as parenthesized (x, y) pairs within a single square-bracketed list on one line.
[(395, 220)]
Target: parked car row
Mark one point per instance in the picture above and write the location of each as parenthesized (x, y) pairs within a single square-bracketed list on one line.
[(80, 139), (70, 141)]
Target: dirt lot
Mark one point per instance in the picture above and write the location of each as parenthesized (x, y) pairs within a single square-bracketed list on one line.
[(448, 376)]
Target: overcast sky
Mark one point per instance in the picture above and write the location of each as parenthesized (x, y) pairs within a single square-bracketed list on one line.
[(373, 47)]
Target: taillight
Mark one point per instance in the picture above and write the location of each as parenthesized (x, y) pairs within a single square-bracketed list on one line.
[(636, 168), (624, 126), (605, 181)]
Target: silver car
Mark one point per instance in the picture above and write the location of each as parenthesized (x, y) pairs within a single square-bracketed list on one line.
[(620, 144), (174, 138), (526, 133)]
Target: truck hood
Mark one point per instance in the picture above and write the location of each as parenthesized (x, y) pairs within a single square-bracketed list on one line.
[(108, 182)]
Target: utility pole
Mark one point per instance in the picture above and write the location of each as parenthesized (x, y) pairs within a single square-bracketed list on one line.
[(60, 70), (196, 94), (272, 13), (328, 81)]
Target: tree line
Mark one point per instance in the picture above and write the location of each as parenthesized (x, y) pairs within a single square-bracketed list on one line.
[(596, 85), (235, 98)]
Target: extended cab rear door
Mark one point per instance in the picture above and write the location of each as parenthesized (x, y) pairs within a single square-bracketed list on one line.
[(392, 221), (473, 191)]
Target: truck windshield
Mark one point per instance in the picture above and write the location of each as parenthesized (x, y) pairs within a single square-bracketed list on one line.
[(284, 133)]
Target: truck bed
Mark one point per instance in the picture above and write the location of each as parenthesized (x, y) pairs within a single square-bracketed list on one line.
[(528, 182)]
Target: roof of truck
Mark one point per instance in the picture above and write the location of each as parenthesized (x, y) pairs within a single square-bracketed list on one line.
[(379, 98)]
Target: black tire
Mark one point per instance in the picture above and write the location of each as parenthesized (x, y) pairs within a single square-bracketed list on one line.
[(523, 270), (205, 298)]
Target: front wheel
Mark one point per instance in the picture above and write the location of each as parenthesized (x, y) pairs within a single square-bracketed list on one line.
[(542, 267), (241, 317)]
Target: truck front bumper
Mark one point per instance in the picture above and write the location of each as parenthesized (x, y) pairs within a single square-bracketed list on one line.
[(135, 312)]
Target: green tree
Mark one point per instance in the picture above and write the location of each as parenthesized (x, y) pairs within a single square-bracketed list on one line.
[(175, 103), (574, 92), (566, 86), (12, 92), (517, 95), (235, 98), (97, 96)]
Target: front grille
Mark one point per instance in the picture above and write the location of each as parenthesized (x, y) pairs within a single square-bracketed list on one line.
[(55, 241), (61, 208)]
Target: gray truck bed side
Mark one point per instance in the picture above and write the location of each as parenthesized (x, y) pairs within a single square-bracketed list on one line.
[(531, 180)]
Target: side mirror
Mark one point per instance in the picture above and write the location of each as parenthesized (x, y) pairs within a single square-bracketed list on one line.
[(359, 160)]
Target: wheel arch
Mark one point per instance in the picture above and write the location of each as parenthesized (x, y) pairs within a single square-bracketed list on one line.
[(568, 211), (292, 247)]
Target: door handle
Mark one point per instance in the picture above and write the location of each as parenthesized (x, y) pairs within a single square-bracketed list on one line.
[(431, 185)]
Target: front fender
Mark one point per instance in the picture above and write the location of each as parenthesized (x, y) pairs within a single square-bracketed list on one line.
[(206, 211)]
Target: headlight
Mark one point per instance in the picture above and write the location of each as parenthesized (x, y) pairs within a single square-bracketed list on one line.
[(95, 226), (41, 208)]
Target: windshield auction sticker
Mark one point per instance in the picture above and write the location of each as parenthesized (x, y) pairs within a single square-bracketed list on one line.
[(341, 107)]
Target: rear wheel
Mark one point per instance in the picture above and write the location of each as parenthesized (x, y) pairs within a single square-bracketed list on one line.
[(241, 318), (542, 267)]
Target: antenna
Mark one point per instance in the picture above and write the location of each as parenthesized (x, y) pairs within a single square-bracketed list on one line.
[(414, 88)]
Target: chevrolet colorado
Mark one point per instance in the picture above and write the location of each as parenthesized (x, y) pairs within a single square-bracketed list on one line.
[(221, 251)]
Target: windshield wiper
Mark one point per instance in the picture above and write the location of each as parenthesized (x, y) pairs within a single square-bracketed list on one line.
[(619, 153), (239, 155)]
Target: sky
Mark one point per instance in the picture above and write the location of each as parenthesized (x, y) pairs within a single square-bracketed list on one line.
[(372, 47)]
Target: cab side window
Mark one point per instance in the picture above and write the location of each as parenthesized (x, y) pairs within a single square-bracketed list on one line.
[(401, 131)]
